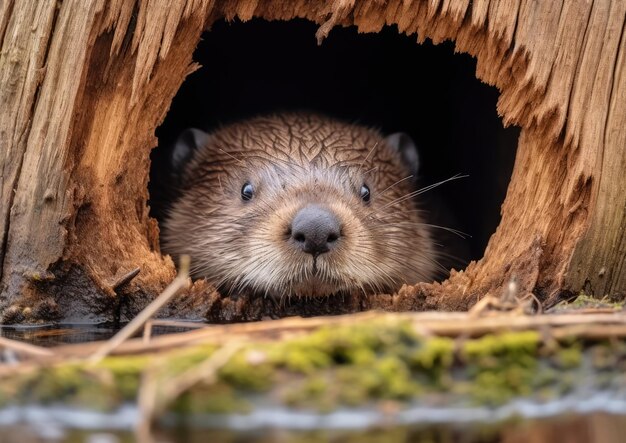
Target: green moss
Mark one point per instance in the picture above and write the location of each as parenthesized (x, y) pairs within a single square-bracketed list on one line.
[(314, 392), (344, 345), (395, 380), (502, 366), (315, 386), (584, 301), (353, 365), (126, 372), (508, 345), (437, 352), (71, 383), (361, 356), (304, 358), (568, 357), (58, 382), (356, 385), (218, 398), (366, 362), (546, 377), (180, 361), (249, 369)]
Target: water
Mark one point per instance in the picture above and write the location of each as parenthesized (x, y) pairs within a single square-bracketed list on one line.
[(55, 335), (49, 336), (598, 418), (571, 428)]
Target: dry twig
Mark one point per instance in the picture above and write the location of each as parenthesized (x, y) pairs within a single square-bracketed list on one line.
[(450, 324), (25, 348), (154, 397), (127, 331)]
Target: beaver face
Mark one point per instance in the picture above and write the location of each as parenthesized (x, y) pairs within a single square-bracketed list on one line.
[(299, 205)]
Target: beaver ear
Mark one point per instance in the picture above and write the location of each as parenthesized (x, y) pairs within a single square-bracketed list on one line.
[(187, 142), (404, 145)]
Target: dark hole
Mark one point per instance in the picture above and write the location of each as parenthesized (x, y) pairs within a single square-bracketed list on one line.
[(384, 80)]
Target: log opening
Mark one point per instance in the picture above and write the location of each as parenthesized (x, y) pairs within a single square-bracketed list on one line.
[(381, 79)]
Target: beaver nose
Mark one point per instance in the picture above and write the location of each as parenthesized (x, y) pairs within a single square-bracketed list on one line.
[(315, 229)]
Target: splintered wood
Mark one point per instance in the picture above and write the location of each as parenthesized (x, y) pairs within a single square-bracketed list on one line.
[(85, 84)]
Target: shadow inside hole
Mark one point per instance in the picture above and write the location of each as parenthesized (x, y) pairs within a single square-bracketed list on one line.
[(384, 80)]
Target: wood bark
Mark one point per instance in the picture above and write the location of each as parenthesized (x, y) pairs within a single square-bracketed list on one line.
[(84, 83)]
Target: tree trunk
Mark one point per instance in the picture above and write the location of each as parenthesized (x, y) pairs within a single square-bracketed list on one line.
[(84, 84)]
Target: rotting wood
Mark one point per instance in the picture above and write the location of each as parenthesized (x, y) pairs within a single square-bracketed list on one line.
[(96, 78), (22, 67), (127, 331), (602, 269)]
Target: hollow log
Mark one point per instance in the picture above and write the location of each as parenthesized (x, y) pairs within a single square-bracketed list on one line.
[(85, 83)]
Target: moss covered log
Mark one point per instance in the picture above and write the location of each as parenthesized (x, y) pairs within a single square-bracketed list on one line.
[(385, 360), (86, 83)]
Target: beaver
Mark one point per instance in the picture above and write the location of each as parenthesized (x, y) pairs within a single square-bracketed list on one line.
[(299, 204)]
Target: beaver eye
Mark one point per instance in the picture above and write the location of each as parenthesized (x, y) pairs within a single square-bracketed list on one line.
[(365, 193), (247, 191)]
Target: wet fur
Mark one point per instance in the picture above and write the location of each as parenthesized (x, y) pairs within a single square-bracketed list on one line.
[(292, 160)]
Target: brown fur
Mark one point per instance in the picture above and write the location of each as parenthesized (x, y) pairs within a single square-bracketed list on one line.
[(292, 160)]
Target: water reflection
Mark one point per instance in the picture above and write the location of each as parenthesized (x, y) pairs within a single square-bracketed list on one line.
[(55, 335), (601, 428)]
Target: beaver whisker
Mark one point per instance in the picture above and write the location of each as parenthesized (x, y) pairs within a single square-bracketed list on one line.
[(378, 266), (461, 234), (396, 183), (421, 191), (230, 155), (402, 259), (370, 170), (400, 213), (368, 155)]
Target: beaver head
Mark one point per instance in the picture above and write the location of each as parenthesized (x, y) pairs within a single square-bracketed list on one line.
[(299, 205)]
